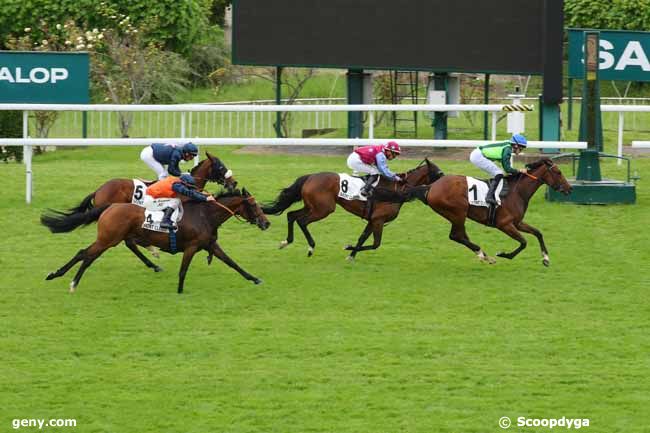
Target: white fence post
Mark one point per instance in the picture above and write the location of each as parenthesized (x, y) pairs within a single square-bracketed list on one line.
[(371, 125), (27, 159), (620, 137), (494, 126)]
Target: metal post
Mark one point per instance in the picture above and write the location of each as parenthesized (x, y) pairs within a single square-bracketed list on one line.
[(84, 124), (27, 159), (486, 100), (278, 101), (371, 125), (570, 104), (494, 126), (620, 137)]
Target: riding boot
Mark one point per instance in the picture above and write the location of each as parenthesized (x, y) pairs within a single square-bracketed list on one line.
[(490, 199), (366, 190), (166, 222)]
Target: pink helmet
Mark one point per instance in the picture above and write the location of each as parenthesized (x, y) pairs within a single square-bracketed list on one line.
[(393, 147)]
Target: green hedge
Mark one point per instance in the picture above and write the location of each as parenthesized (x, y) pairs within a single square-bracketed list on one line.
[(182, 23), (11, 126)]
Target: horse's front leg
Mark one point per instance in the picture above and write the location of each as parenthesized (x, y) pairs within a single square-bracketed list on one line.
[(512, 231), (188, 254), (221, 255), (532, 230), (377, 229), (364, 235)]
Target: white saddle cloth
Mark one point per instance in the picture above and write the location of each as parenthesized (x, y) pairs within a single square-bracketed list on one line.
[(477, 192), (350, 187), (153, 212)]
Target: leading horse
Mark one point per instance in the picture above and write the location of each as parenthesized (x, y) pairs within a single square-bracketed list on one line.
[(448, 197), (196, 231), (319, 193)]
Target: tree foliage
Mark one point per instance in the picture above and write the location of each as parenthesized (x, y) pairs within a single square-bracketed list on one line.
[(610, 15)]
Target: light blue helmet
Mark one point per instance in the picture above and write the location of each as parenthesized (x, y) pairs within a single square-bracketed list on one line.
[(187, 178), (191, 149), (519, 140)]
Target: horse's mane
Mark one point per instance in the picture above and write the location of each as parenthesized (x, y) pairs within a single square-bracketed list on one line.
[(534, 165), (193, 170)]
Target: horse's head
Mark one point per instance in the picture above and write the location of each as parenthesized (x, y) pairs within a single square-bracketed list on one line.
[(251, 211), (213, 170), (546, 171), (425, 173)]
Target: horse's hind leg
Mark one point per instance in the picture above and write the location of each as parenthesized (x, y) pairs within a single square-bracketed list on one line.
[(90, 255), (512, 231), (134, 248), (522, 226), (308, 218), (291, 219), (65, 268), (458, 234)]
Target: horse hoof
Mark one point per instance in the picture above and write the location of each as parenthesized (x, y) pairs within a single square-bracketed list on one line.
[(283, 244), (154, 251), (257, 281), (348, 247), (546, 262), (73, 287), (350, 259), (310, 252), (491, 260), (157, 269), (50, 276)]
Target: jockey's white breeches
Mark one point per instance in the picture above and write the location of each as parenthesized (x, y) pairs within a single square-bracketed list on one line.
[(477, 158), (358, 166), (147, 156)]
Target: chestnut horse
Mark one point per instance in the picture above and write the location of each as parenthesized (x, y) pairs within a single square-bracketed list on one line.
[(448, 197), (121, 190), (196, 231), (319, 193)]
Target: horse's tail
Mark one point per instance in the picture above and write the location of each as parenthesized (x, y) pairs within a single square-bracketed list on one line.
[(85, 205), (286, 198), (62, 222), (410, 194)]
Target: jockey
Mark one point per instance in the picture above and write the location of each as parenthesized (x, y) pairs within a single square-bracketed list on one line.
[(158, 154), (483, 156), (372, 161), (170, 187)]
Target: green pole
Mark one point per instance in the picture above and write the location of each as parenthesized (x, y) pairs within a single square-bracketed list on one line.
[(570, 105), (355, 96), (590, 122), (486, 100), (278, 101), (84, 124), (440, 117)]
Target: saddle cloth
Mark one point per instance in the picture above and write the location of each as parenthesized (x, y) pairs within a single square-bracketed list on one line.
[(153, 213), (139, 192), (477, 192), (350, 187)]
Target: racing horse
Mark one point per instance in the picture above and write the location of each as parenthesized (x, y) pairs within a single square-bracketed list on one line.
[(196, 231), (122, 191), (448, 197), (319, 193)]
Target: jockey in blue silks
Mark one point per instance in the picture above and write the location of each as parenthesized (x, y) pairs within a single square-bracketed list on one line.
[(157, 155)]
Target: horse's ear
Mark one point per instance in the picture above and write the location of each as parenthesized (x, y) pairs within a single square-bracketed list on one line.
[(245, 193), (210, 156)]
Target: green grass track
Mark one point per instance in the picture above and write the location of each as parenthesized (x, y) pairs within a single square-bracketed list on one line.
[(418, 336)]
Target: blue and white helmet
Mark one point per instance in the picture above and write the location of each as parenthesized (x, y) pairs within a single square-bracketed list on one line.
[(191, 149), (519, 140)]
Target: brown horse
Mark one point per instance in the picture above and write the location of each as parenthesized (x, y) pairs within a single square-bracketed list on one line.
[(319, 193), (197, 231), (448, 197), (121, 190)]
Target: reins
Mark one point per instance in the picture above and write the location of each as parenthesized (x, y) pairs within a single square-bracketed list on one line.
[(237, 217)]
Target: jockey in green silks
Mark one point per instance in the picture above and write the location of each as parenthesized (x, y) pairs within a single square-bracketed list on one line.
[(483, 158)]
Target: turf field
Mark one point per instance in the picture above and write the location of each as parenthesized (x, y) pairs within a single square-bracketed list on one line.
[(418, 336)]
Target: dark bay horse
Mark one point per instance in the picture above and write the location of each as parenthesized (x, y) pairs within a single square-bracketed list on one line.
[(197, 231), (448, 197), (121, 190), (319, 193)]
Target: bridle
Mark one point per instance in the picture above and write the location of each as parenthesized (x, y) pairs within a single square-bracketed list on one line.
[(556, 186), (248, 204), (216, 167), (430, 172)]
